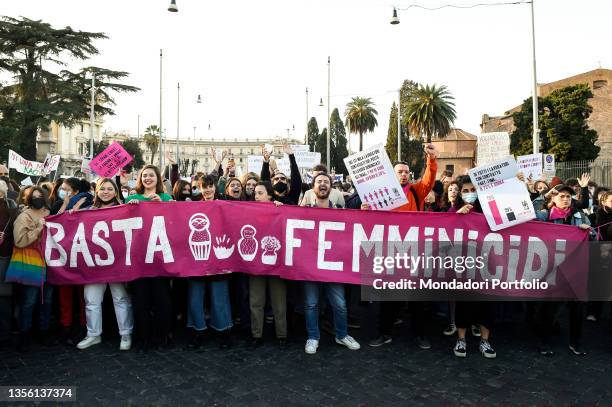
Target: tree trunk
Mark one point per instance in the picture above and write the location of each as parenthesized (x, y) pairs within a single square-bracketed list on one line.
[(360, 140)]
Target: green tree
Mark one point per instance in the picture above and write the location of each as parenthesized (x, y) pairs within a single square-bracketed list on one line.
[(391, 145), (412, 150), (563, 125), (338, 140), (430, 111), (361, 117), (40, 95), (321, 146), (151, 138), (313, 133)]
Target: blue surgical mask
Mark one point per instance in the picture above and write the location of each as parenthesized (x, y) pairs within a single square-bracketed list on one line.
[(196, 192), (469, 197), (61, 194)]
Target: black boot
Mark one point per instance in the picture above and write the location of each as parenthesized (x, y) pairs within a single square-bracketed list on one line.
[(23, 342), (67, 338), (197, 340), (225, 340)]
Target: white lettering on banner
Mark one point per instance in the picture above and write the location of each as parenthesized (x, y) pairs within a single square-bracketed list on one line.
[(493, 241), (101, 226), (409, 244), (324, 245), (290, 240), (158, 234), (375, 239), (79, 245), (126, 226), (535, 248), (52, 243)]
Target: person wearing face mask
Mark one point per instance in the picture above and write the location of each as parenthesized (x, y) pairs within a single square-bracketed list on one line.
[(288, 194), (470, 312), (181, 191), (107, 196), (125, 192), (560, 211), (27, 267), (8, 213)]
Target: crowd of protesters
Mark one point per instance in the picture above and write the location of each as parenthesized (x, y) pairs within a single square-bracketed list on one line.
[(149, 310)]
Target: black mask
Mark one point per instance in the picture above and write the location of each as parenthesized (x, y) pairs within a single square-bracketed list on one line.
[(38, 203), (280, 187), (184, 196)]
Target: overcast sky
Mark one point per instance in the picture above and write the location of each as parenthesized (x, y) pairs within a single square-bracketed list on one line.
[(252, 60)]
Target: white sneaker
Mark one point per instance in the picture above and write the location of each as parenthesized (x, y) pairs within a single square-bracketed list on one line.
[(349, 342), (311, 346), (89, 341), (126, 342)]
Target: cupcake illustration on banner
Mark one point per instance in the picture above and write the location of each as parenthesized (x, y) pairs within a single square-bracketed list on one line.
[(199, 238), (269, 245), (247, 245)]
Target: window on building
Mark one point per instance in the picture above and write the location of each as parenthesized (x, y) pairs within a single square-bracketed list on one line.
[(81, 127), (450, 167), (600, 83), (241, 160)]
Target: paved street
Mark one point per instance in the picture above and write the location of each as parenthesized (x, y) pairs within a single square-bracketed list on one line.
[(396, 374)]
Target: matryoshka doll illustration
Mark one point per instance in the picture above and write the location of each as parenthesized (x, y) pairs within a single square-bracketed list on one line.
[(199, 238), (247, 245)]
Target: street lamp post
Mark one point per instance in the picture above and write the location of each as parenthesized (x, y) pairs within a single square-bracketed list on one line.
[(399, 126), (161, 162), (92, 115), (328, 113), (536, 131), (178, 111), (306, 132)]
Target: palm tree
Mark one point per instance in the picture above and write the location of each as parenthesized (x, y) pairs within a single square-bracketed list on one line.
[(151, 138), (431, 111), (360, 117)]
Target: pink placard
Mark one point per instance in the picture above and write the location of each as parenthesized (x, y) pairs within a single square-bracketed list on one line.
[(111, 160)]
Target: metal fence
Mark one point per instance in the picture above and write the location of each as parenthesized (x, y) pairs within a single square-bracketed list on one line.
[(600, 170)]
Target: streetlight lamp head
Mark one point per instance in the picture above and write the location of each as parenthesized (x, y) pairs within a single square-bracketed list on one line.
[(321, 102), (172, 7), (394, 19), (199, 99)]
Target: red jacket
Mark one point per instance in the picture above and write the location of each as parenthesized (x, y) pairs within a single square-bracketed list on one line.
[(421, 188)]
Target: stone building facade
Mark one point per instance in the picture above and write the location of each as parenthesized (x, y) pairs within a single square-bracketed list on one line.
[(600, 120), (456, 152)]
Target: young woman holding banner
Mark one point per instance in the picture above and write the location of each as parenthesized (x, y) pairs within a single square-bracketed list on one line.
[(106, 196), (220, 306), (151, 294), (471, 312), (257, 289), (27, 266)]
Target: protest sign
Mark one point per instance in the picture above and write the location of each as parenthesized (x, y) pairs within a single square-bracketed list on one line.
[(85, 166), (181, 239), (373, 176), (503, 197), (20, 164), (302, 148), (111, 160), (530, 165), (26, 182), (306, 159), (254, 163), (492, 147), (51, 163)]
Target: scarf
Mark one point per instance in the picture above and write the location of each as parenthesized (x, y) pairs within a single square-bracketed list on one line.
[(556, 213)]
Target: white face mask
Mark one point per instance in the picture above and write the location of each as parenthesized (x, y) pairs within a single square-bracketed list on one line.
[(61, 194), (469, 197), (124, 194)]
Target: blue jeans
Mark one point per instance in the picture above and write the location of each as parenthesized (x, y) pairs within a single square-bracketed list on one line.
[(335, 296), (220, 308), (29, 296)]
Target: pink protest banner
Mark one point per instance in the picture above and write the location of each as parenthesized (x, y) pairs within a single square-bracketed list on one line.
[(330, 245), (110, 161)]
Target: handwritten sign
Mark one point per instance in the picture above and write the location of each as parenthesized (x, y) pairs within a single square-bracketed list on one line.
[(530, 165), (492, 147), (20, 164), (111, 160)]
